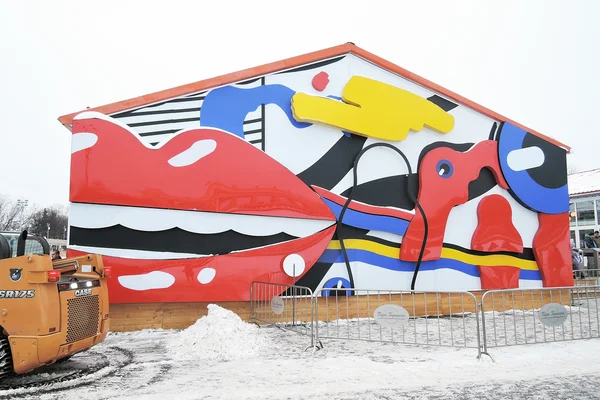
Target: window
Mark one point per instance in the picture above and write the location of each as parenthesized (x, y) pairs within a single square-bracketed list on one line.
[(585, 213), (573, 238), (572, 214), (12, 239), (33, 247), (582, 234), (598, 210)]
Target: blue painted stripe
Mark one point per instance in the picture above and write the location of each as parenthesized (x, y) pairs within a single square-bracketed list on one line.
[(377, 260), (362, 220), (530, 275)]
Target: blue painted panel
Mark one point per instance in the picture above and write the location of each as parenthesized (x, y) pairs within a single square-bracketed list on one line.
[(369, 221), (526, 190)]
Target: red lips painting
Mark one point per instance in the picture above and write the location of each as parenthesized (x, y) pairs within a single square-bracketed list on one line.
[(196, 218)]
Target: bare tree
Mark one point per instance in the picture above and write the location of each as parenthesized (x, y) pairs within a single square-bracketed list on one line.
[(10, 211), (571, 169)]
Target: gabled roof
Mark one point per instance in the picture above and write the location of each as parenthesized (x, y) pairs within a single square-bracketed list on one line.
[(348, 48), (584, 182)]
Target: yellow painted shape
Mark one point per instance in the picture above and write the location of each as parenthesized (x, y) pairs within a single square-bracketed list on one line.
[(489, 261), (373, 109), (394, 252), (361, 244)]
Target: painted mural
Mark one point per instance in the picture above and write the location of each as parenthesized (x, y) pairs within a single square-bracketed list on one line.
[(334, 174)]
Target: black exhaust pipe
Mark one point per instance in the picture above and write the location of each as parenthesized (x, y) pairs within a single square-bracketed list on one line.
[(21, 243)]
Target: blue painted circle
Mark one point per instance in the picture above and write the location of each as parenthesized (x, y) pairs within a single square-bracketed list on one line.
[(333, 283), (444, 169), (523, 188)]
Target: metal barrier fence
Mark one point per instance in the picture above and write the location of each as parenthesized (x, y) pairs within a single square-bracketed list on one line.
[(410, 317), (287, 307), (451, 319), (586, 277), (527, 316)]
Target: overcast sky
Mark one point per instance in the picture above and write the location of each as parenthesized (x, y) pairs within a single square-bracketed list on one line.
[(536, 62)]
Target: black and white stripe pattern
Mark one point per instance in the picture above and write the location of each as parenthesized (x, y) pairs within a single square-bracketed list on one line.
[(158, 122)]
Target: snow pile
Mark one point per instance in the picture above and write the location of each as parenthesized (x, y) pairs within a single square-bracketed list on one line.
[(221, 335)]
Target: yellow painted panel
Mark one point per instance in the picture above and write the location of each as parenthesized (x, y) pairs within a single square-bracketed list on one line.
[(394, 252), (373, 109), (489, 260)]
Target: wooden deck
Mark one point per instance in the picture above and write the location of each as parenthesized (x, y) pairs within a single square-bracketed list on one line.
[(137, 316)]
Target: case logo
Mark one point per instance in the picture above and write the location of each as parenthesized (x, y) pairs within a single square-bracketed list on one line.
[(15, 274), (83, 292)]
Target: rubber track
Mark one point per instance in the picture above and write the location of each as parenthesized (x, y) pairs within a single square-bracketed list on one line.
[(71, 377), (6, 364)]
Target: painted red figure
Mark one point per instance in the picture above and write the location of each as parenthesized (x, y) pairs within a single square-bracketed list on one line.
[(444, 177), (495, 232), (552, 250)]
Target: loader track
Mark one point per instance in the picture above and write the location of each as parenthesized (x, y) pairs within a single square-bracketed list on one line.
[(68, 375)]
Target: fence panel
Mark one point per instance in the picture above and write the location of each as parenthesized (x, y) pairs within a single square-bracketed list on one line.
[(288, 307), (527, 316), (586, 277), (430, 318)]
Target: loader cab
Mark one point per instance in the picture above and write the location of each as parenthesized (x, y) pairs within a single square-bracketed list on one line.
[(9, 244), (5, 250)]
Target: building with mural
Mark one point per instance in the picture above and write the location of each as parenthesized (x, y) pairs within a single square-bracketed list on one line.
[(330, 169)]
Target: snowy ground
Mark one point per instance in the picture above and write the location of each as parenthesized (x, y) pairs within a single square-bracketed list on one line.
[(223, 358)]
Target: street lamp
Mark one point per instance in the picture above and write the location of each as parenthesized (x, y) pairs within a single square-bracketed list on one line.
[(48, 236), (21, 205)]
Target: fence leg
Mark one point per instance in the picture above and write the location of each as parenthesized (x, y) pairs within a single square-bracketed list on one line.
[(251, 319), (313, 323), (482, 352), (481, 335)]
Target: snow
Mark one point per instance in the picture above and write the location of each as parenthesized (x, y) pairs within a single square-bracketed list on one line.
[(584, 182), (220, 335), (458, 331), (222, 357)]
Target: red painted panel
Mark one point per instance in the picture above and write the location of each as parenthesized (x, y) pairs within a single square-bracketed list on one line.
[(362, 207), (234, 273), (552, 250), (496, 232), (499, 277), (235, 177), (320, 81), (444, 177)]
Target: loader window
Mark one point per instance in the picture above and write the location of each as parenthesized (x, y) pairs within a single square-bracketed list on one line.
[(33, 245), (5, 251), (12, 239)]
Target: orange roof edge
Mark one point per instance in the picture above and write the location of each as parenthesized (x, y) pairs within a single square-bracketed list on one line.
[(266, 69)]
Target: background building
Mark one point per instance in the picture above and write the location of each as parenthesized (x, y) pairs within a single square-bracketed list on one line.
[(584, 204)]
